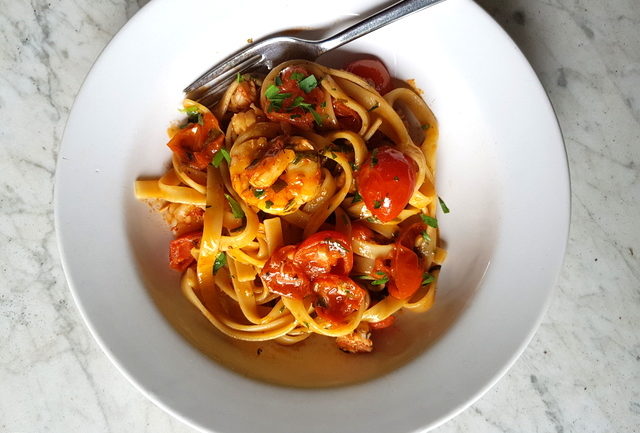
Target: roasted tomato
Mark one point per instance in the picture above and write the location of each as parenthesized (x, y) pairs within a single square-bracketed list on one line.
[(338, 296), (297, 99), (281, 276), (196, 143), (180, 257), (406, 272), (374, 72), (385, 323), (347, 118), (386, 181), (324, 252)]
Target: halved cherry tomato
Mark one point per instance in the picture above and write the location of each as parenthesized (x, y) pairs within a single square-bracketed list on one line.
[(281, 276), (347, 118), (362, 232), (196, 144), (338, 296), (324, 252), (386, 181), (180, 257), (406, 272), (384, 323), (374, 72), (298, 106)]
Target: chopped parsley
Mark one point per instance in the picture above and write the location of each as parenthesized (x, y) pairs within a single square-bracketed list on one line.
[(268, 204), (354, 166), (380, 281), (396, 178), (239, 78), (364, 277), (257, 193), (356, 197), (431, 221), (297, 76), (443, 205), (275, 97), (373, 107), (219, 156), (235, 207), (308, 84), (374, 157), (427, 278), (221, 260), (425, 126), (426, 236), (377, 204), (278, 81)]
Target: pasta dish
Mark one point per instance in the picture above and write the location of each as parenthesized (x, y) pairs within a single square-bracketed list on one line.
[(304, 202)]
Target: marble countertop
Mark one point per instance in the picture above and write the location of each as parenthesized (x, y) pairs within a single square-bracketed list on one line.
[(581, 372)]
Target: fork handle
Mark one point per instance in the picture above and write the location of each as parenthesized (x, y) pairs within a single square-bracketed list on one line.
[(374, 22)]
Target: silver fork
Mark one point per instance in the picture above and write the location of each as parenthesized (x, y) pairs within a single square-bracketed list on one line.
[(272, 51)]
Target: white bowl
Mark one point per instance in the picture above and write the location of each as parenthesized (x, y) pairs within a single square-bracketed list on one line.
[(502, 171)]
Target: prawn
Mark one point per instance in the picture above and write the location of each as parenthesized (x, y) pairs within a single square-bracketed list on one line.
[(278, 175)]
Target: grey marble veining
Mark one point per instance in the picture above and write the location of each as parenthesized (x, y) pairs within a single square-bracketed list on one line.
[(581, 373)]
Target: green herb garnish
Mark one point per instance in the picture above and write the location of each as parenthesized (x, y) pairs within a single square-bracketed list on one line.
[(236, 210), (396, 178), (426, 236), (373, 108), (308, 84), (268, 204), (377, 204), (239, 78), (380, 281), (278, 81), (356, 197), (374, 157), (219, 156), (443, 205), (221, 260), (257, 193), (425, 126), (427, 278), (431, 221), (297, 76)]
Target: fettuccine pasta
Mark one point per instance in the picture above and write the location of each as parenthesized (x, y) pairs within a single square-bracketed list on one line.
[(304, 202)]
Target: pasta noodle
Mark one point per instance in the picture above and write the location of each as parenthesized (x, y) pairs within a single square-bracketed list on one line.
[(304, 202)]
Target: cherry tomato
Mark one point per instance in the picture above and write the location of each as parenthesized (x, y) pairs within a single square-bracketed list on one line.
[(386, 181), (324, 252), (298, 113), (409, 234), (347, 118), (180, 257), (196, 144), (374, 72), (338, 296), (384, 323), (406, 272), (362, 232), (281, 276)]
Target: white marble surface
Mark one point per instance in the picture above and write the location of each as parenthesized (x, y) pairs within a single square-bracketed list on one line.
[(581, 372)]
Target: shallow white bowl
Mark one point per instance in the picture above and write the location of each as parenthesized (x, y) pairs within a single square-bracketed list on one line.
[(502, 171)]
